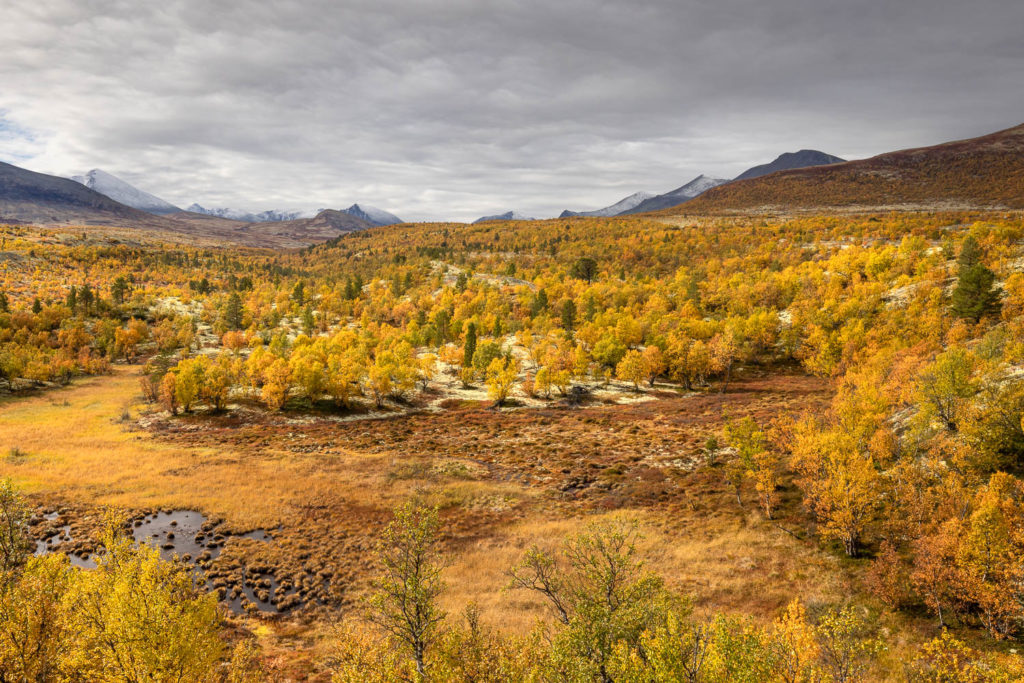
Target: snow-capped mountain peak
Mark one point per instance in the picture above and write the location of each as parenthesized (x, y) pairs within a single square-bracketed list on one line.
[(120, 191)]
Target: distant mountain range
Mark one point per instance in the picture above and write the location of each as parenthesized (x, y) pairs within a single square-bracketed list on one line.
[(639, 202), (982, 172), (37, 198), (642, 202), (125, 193), (369, 214), (269, 216), (979, 173)]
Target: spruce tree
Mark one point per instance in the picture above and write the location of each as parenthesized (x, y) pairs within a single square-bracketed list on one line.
[(308, 321), (540, 303), (233, 312), (970, 253), (470, 348), (119, 289), (568, 315), (86, 297), (975, 295)]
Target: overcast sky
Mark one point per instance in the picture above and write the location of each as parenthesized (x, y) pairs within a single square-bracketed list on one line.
[(450, 109)]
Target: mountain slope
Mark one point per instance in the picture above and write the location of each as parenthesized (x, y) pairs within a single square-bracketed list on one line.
[(982, 172), (125, 193), (30, 197), (507, 216), (372, 215), (340, 221), (695, 187), (615, 209), (789, 160)]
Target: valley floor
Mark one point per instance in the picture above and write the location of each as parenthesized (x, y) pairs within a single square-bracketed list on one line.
[(503, 479)]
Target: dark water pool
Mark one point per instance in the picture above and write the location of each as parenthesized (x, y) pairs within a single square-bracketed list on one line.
[(193, 539)]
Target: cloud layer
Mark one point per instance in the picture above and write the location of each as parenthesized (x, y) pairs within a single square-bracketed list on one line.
[(451, 109)]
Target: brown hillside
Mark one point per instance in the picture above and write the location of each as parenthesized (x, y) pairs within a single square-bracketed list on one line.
[(983, 172)]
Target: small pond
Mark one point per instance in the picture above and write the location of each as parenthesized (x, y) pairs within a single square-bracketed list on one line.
[(193, 539)]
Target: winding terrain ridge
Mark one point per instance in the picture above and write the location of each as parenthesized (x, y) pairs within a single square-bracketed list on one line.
[(983, 172)]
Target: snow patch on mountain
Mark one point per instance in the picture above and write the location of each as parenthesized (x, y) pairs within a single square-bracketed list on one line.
[(269, 216), (274, 216), (615, 209), (698, 185), (367, 213), (233, 214), (685, 193)]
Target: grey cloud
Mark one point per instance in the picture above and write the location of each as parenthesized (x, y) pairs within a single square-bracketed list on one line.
[(452, 109)]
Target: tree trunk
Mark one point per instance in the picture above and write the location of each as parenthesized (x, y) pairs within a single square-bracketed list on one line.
[(728, 376), (420, 669)]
